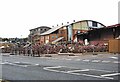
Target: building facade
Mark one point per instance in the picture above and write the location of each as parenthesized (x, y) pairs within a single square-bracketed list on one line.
[(67, 33), (101, 35), (35, 33)]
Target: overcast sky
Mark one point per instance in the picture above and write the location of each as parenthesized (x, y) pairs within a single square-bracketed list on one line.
[(17, 17)]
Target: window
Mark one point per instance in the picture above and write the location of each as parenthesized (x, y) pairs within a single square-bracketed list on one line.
[(62, 31), (94, 24), (52, 37), (56, 36)]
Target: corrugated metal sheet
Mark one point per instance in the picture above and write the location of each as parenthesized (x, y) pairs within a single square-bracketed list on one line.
[(76, 25), (51, 30), (57, 39), (84, 25)]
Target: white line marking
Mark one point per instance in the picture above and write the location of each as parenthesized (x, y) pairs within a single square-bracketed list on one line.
[(2, 63), (77, 70), (116, 62), (86, 60), (110, 74), (101, 70), (95, 60), (37, 64), (55, 58), (17, 62), (92, 75), (62, 58), (78, 60), (55, 67), (68, 59), (114, 57), (19, 65), (47, 68), (104, 61)]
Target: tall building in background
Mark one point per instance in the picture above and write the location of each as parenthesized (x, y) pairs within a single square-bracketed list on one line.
[(34, 35)]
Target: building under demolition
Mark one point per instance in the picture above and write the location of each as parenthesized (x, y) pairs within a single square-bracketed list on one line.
[(67, 33), (100, 35)]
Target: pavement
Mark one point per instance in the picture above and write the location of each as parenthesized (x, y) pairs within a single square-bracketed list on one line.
[(103, 66)]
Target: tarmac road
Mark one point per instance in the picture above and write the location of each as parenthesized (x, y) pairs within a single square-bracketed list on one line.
[(88, 67)]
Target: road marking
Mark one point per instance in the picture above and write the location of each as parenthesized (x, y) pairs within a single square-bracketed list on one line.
[(78, 60), (62, 58), (94, 56), (86, 60), (47, 68), (105, 75), (55, 67), (78, 70), (20, 65), (7, 62), (101, 70), (95, 60), (92, 75), (2, 63), (104, 61), (114, 57), (55, 58), (68, 59), (17, 62), (116, 62), (37, 64)]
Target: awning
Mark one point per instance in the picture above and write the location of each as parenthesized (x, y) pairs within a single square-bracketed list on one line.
[(57, 40)]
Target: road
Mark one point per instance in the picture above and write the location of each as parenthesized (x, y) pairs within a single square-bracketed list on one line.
[(87, 67)]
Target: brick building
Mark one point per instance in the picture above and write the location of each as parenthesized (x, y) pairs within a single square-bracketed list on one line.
[(100, 35), (67, 33), (35, 33)]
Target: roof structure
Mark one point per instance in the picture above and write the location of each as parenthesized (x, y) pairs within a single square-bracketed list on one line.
[(57, 39), (56, 28), (107, 27), (51, 30), (116, 25), (40, 27)]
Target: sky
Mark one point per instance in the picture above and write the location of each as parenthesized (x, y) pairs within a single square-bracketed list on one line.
[(17, 17)]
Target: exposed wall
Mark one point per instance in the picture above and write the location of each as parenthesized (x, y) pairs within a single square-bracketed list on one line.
[(42, 39), (81, 25), (102, 35), (53, 37), (47, 39), (69, 31), (63, 32)]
